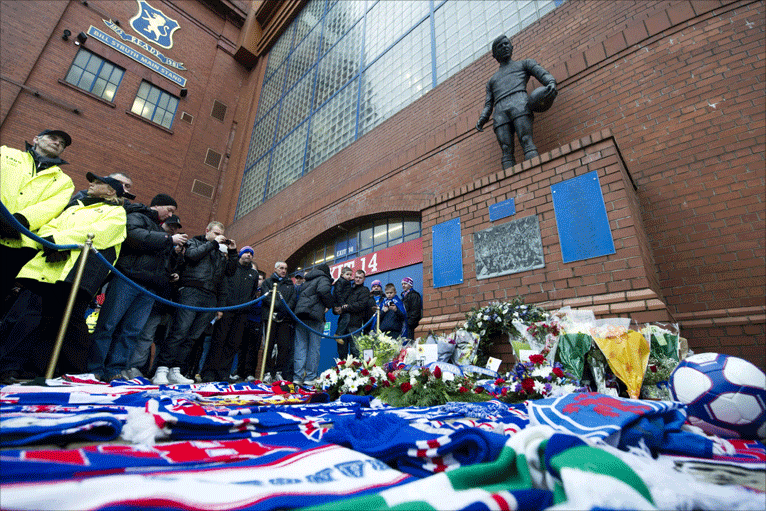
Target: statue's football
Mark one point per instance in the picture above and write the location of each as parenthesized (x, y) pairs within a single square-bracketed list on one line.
[(541, 99)]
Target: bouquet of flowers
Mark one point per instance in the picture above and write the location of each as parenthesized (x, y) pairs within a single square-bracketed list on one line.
[(536, 379), (545, 333), (656, 378), (385, 348), (351, 376), (498, 318), (420, 386)]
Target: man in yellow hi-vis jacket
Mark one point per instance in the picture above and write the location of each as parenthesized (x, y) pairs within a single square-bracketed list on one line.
[(35, 190), (28, 330)]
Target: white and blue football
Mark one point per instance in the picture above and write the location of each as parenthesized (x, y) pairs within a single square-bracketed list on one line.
[(724, 395)]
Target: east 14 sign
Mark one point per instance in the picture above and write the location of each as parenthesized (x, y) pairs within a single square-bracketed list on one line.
[(403, 254)]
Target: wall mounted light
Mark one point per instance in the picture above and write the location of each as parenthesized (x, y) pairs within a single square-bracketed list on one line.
[(66, 35), (81, 38), (183, 93)]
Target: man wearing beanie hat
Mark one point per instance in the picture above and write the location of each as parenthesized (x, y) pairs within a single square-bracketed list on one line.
[(413, 304), (162, 199), (238, 288), (46, 189), (145, 259)]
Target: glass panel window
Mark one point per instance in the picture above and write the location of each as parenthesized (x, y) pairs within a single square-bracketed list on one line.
[(91, 73), (343, 67), (287, 160), (155, 104), (380, 233), (357, 241), (411, 227), (394, 228), (365, 238)]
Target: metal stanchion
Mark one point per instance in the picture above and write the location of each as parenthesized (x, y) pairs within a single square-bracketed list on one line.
[(377, 313), (70, 304), (268, 330)]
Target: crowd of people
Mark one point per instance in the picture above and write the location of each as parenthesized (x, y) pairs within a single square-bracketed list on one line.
[(135, 333)]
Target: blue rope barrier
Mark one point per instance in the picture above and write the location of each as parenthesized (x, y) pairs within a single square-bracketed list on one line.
[(170, 302), (322, 334), (26, 232)]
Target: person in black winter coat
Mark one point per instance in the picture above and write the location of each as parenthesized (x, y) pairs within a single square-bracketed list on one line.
[(413, 302), (340, 292), (208, 258), (145, 259), (279, 345), (314, 301), (241, 287), (360, 306)]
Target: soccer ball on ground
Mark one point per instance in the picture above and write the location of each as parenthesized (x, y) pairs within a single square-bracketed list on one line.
[(724, 395)]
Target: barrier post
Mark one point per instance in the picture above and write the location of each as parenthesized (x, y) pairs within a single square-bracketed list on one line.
[(70, 304), (377, 327), (268, 330)]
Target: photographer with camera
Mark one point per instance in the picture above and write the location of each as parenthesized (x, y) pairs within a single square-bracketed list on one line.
[(207, 259)]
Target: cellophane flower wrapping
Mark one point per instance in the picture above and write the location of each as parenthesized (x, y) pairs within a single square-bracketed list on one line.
[(627, 353), (384, 347)]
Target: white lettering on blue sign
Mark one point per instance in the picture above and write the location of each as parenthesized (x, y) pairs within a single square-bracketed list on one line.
[(138, 57)]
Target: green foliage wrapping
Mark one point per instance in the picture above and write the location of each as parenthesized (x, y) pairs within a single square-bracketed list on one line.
[(421, 387)]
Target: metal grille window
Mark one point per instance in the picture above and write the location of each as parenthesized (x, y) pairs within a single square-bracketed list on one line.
[(155, 104), (91, 73), (342, 68)]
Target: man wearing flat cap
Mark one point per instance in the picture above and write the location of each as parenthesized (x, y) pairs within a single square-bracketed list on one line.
[(35, 190), (29, 328), (146, 260)]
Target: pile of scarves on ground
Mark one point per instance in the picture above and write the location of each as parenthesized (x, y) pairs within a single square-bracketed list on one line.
[(76, 443)]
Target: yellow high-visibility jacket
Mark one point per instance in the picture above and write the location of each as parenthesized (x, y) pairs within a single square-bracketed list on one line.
[(39, 196), (105, 220)]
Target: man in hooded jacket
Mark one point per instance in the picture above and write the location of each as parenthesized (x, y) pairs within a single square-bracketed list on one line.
[(314, 301)]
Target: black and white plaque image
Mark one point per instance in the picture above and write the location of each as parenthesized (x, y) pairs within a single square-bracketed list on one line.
[(512, 247)]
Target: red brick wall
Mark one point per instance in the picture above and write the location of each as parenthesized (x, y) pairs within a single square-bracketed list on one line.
[(105, 137), (680, 87), (623, 283)]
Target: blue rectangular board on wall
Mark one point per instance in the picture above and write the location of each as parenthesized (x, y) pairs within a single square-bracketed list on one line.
[(502, 209), (581, 218), (447, 254)]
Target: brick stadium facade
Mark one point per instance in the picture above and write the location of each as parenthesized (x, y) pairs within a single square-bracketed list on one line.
[(669, 93)]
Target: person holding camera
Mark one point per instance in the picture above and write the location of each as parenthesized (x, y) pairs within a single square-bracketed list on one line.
[(207, 259), (145, 259)]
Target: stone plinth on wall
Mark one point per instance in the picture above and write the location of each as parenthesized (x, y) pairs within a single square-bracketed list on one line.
[(621, 284)]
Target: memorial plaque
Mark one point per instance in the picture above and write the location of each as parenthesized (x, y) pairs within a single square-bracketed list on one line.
[(502, 210), (447, 254), (509, 248), (581, 218)]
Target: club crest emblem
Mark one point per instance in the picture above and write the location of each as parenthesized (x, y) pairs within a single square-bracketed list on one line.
[(153, 25)]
